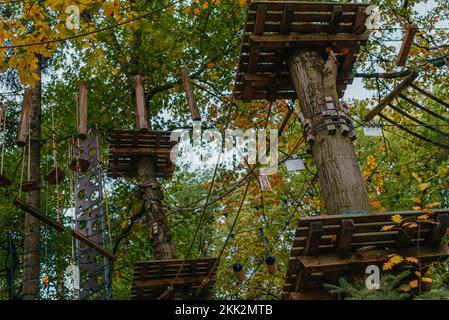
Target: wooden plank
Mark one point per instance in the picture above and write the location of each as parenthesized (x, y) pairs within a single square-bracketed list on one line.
[(169, 281), (346, 232), (297, 17), (309, 39), (364, 217), (389, 98), (406, 44), (141, 110), (60, 227), (261, 15), (330, 262), (439, 230), (82, 111), (188, 88), (337, 12), (360, 20), (22, 134), (313, 238), (287, 16), (302, 6)]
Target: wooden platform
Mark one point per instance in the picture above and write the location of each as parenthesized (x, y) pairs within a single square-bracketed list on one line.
[(126, 147), (151, 279), (324, 246), (272, 28)]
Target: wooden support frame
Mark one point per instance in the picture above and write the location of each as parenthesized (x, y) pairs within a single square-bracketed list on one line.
[(24, 124), (315, 233), (309, 40), (82, 111), (388, 99), (188, 88), (141, 109), (337, 12), (439, 230), (347, 229), (406, 44), (61, 228)]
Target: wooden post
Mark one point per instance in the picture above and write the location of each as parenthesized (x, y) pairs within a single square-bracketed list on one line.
[(32, 247), (407, 44), (22, 134), (188, 88), (141, 110), (82, 111), (339, 174)]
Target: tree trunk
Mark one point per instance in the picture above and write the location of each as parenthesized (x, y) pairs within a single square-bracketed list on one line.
[(158, 232), (339, 174), (31, 269)]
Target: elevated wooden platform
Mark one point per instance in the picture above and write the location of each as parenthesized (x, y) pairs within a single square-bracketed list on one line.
[(151, 279), (273, 28), (325, 246), (126, 147)]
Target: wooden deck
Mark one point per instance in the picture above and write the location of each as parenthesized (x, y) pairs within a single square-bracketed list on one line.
[(126, 147), (272, 28), (151, 279), (324, 246)]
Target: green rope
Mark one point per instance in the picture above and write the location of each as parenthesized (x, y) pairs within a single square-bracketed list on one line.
[(354, 211)]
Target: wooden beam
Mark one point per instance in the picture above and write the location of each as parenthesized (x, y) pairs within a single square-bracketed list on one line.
[(141, 110), (24, 124), (148, 283), (261, 16), (188, 88), (439, 230), (60, 227), (406, 44), (82, 111), (347, 229), (329, 262), (313, 238), (401, 87), (312, 40), (337, 12), (360, 20), (287, 16)]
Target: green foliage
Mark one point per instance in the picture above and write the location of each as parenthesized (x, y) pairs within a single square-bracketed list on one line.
[(390, 289)]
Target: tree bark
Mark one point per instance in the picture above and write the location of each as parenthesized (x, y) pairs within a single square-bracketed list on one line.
[(157, 225), (339, 174), (31, 268)]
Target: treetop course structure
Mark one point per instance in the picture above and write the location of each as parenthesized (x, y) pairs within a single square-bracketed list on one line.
[(291, 50)]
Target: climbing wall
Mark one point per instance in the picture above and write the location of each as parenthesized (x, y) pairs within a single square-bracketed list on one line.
[(90, 221)]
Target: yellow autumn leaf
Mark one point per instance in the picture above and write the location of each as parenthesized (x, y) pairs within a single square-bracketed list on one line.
[(396, 259), (416, 200), (187, 10), (196, 11), (416, 208), (418, 274), (205, 5), (396, 218), (425, 279), (415, 175), (387, 228), (424, 186), (433, 204), (413, 284), (423, 217), (387, 265)]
